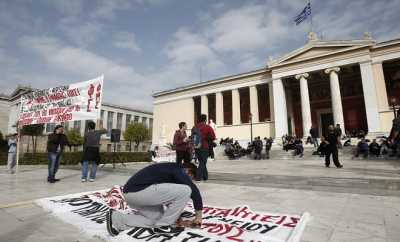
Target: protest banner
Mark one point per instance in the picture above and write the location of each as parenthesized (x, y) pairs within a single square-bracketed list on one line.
[(235, 224), (78, 101)]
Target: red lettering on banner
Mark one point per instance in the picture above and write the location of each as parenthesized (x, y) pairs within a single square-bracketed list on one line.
[(64, 117), (281, 220), (208, 209), (56, 96), (255, 216), (55, 111), (244, 211), (267, 217), (44, 112), (41, 99), (73, 92), (222, 212), (293, 223), (223, 229)]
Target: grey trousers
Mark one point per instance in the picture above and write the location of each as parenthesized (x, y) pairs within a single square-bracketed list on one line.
[(11, 161), (157, 205)]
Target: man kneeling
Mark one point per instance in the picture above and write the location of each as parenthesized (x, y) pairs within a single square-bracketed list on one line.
[(159, 193)]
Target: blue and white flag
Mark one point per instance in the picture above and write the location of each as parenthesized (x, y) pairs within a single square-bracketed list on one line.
[(304, 14)]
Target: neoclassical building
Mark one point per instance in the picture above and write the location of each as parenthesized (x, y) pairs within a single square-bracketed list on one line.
[(354, 83)]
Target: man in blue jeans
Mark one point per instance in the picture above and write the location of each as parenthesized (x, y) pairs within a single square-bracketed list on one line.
[(207, 136), (55, 146)]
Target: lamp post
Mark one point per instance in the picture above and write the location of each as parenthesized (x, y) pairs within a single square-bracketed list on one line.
[(251, 126), (393, 101)]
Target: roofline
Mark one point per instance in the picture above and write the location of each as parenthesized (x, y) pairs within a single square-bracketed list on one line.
[(213, 81), (126, 108), (386, 43)]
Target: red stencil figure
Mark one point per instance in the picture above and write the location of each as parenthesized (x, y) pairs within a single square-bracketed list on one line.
[(98, 94), (90, 93)]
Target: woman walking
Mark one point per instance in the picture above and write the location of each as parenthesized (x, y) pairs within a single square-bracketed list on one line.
[(91, 151)]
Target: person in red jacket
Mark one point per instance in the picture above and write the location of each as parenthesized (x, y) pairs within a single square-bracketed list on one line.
[(207, 136), (181, 143)]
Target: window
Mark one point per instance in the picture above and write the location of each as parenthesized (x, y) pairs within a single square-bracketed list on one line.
[(109, 147), (118, 148), (119, 120), (50, 127), (66, 125), (211, 107), (128, 120), (77, 125), (151, 125), (136, 119), (227, 100), (244, 97), (264, 110), (197, 108), (101, 118), (110, 118)]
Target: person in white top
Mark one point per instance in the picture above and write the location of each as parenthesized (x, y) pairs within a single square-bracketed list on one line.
[(12, 153)]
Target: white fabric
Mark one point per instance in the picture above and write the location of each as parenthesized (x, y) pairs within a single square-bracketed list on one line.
[(239, 223)]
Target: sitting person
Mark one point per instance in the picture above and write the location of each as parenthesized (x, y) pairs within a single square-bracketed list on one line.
[(249, 148), (229, 150), (289, 145), (374, 148), (299, 149), (362, 148), (322, 148)]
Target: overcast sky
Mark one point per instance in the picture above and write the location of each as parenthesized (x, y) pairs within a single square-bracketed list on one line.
[(144, 46)]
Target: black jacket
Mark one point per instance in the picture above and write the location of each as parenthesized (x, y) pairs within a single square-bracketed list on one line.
[(55, 140)]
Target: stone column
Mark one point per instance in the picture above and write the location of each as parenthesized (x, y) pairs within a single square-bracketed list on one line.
[(123, 124), (271, 101), (337, 107), (381, 93), (254, 103), (370, 98), (235, 107), (280, 111), (204, 105), (219, 109), (305, 103)]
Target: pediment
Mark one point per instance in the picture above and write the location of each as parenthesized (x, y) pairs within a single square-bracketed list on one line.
[(315, 49)]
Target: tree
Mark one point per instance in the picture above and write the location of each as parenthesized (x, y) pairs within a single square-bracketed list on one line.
[(33, 130), (137, 133), (74, 137)]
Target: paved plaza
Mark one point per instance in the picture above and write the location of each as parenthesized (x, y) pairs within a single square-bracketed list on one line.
[(358, 203)]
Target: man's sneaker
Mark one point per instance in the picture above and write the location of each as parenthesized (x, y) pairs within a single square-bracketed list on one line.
[(340, 166), (56, 180), (91, 180), (168, 230), (83, 180), (111, 230)]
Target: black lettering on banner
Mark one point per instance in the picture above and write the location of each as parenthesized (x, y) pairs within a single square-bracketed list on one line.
[(191, 236), (254, 227), (96, 212), (143, 233), (236, 222), (267, 228), (245, 225)]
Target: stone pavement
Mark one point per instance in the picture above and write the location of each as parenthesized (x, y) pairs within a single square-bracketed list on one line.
[(358, 203)]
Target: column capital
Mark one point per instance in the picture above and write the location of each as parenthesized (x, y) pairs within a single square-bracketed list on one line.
[(333, 69), (299, 76)]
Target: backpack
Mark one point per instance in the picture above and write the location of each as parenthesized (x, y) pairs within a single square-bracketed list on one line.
[(196, 136)]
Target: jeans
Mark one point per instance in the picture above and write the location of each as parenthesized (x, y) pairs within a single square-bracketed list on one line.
[(85, 168), (54, 162), (12, 161), (315, 142), (202, 172)]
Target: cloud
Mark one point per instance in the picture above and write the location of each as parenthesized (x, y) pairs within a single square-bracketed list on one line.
[(122, 82), (107, 9), (70, 7), (126, 40), (79, 31)]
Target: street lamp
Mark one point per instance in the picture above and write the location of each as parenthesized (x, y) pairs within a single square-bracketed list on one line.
[(251, 126), (393, 101)]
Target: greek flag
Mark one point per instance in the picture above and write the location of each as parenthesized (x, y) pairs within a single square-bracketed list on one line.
[(303, 15)]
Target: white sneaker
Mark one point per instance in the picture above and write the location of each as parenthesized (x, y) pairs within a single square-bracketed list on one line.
[(83, 180), (91, 180)]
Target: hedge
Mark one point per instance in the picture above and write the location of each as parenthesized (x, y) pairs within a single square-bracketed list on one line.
[(73, 158)]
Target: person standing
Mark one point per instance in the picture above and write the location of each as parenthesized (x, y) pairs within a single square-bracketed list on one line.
[(55, 147), (12, 153), (314, 136), (332, 148), (181, 143), (159, 193), (338, 133), (203, 135), (91, 151)]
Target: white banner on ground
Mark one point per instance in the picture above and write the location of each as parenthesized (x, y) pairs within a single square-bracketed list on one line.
[(234, 224), (78, 101)]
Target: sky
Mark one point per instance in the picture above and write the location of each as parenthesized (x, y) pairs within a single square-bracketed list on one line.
[(146, 46)]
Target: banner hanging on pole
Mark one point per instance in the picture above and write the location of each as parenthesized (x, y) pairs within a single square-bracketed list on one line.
[(78, 101)]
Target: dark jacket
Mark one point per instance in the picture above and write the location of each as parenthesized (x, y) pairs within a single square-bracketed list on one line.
[(56, 140), (313, 133), (163, 173)]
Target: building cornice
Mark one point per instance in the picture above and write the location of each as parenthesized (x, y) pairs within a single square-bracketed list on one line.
[(126, 108)]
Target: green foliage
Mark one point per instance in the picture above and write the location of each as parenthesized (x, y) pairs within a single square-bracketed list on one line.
[(136, 133), (73, 158), (74, 137)]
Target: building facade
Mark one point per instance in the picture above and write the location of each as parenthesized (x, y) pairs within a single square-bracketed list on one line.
[(111, 117), (354, 83)]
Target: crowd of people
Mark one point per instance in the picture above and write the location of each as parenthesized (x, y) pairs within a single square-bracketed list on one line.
[(254, 148)]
